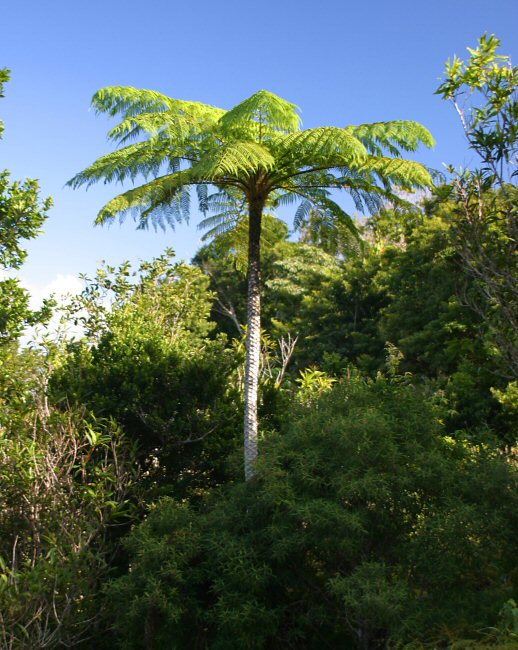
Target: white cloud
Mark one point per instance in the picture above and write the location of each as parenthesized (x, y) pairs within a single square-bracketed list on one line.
[(61, 287)]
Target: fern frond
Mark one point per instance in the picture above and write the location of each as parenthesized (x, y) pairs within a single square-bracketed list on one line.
[(302, 213), (218, 219), (368, 191), (329, 214), (150, 124), (226, 225), (174, 165), (169, 211), (266, 110), (326, 147), (236, 159), (174, 124), (129, 102), (227, 200), (229, 206), (202, 192), (363, 189), (184, 204), (285, 198), (144, 158), (336, 216), (407, 174), (142, 201), (392, 137)]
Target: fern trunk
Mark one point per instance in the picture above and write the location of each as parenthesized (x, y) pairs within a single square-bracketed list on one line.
[(253, 336)]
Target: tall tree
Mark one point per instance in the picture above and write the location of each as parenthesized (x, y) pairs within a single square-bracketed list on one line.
[(484, 91), (256, 154)]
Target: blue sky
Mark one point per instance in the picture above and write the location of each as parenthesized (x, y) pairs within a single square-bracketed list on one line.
[(342, 62)]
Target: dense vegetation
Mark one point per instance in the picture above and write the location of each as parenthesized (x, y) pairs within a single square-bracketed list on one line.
[(383, 507)]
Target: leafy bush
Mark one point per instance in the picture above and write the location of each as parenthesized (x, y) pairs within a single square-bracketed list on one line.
[(364, 525), (147, 362), (63, 490)]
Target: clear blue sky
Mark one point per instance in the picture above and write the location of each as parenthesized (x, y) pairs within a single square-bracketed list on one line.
[(342, 62)]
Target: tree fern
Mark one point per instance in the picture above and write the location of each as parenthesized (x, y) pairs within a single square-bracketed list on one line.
[(256, 157)]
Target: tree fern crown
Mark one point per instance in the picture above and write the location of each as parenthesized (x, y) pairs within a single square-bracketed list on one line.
[(254, 151)]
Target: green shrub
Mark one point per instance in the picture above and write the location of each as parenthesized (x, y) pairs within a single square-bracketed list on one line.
[(363, 526)]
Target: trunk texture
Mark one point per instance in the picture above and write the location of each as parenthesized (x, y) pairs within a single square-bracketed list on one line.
[(253, 336)]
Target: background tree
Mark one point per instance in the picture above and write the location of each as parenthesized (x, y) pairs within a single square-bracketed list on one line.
[(257, 153), (5, 75), (145, 359), (22, 214), (484, 92), (332, 304)]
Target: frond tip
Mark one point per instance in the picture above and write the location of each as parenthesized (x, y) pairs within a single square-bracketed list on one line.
[(392, 137), (128, 101), (265, 108), (162, 197)]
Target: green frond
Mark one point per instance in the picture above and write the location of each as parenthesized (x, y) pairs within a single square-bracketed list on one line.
[(286, 198), (128, 101), (325, 147), (407, 174), (144, 158), (392, 137), (203, 194), (150, 124), (302, 213), (321, 220), (319, 211), (229, 206), (175, 123), (235, 160), (217, 231), (365, 201), (362, 187), (142, 201), (217, 220), (293, 190), (366, 194), (228, 200), (339, 217), (266, 110), (217, 225)]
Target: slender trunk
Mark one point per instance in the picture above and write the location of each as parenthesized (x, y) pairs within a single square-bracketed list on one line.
[(253, 335)]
